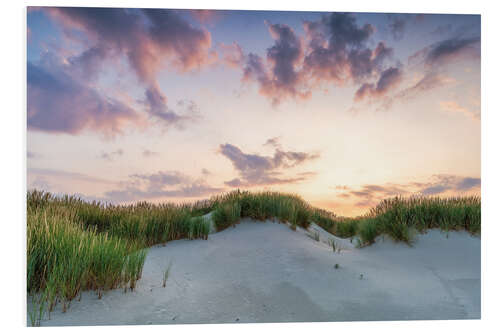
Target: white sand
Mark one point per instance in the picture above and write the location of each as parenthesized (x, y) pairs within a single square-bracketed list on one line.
[(265, 272)]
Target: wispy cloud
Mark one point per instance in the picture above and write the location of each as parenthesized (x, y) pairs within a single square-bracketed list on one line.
[(454, 107), (149, 153), (110, 156), (162, 184), (371, 194), (62, 174), (450, 49)]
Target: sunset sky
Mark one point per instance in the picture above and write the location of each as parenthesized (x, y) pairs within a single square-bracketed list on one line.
[(344, 109)]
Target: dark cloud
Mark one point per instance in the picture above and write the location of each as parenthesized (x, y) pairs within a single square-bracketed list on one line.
[(335, 50), (468, 183), (443, 183), (284, 57), (389, 79), (263, 170), (450, 49), (59, 103), (148, 38), (111, 155), (279, 77)]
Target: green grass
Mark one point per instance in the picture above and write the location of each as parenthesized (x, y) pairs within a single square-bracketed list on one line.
[(231, 207), (73, 245), (401, 218)]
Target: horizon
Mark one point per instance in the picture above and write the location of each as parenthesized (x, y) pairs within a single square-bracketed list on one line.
[(344, 109)]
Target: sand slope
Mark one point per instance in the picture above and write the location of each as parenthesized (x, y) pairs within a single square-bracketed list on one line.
[(265, 272)]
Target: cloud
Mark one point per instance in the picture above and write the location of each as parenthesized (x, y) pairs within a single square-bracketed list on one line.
[(284, 57), (159, 185), (430, 80), (156, 181), (149, 39), (149, 153), (443, 183), (135, 194), (273, 142), (256, 169), (389, 79), (206, 172), (335, 50), (111, 155), (58, 103), (370, 195), (279, 77), (61, 174), (157, 107), (468, 183), (451, 49), (432, 61), (142, 186), (454, 107)]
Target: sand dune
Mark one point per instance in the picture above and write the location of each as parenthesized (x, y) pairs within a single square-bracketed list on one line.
[(265, 272)]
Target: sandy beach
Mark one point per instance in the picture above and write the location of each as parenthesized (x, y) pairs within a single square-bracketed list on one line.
[(265, 272)]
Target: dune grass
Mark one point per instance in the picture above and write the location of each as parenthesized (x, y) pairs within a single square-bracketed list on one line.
[(73, 245), (231, 207), (401, 218)]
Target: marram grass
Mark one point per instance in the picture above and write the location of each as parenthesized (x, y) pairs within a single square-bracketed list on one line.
[(73, 245)]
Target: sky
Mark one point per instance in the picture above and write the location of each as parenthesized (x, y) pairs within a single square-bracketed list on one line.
[(344, 109)]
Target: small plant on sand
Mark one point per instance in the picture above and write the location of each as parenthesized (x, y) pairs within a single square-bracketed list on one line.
[(333, 244), (166, 273), (38, 309), (336, 266), (314, 236)]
